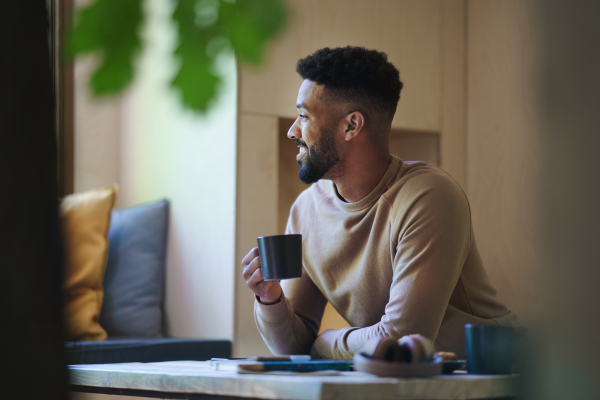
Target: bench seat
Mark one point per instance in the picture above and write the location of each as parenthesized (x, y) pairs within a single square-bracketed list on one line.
[(124, 350)]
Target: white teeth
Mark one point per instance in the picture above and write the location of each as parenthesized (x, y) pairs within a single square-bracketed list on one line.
[(301, 150)]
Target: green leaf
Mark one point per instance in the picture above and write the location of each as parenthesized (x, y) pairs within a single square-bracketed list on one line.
[(111, 76), (206, 28), (252, 23), (195, 81), (196, 84), (109, 28), (209, 27)]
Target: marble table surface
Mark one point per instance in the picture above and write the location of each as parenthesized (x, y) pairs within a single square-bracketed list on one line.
[(177, 379)]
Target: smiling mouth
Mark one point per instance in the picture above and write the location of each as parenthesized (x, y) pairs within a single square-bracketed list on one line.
[(302, 148)]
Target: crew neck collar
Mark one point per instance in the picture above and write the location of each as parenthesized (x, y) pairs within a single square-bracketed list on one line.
[(375, 194)]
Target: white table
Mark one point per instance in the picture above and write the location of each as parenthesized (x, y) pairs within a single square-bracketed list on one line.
[(198, 380)]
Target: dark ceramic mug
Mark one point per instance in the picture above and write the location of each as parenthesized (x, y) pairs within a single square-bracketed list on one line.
[(489, 349), (280, 256)]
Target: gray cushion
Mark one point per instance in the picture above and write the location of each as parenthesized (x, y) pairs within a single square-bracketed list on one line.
[(134, 278)]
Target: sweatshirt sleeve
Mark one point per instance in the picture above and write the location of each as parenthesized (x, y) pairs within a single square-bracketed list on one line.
[(432, 237), (291, 325)]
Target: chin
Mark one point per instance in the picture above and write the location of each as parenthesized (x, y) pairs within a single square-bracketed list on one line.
[(307, 176)]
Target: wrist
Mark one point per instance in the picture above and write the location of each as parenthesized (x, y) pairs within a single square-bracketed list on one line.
[(271, 296), (268, 303)]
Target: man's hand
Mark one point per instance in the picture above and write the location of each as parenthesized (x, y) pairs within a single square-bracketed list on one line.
[(268, 291)]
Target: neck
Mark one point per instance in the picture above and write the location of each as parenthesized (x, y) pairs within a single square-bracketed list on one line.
[(361, 176)]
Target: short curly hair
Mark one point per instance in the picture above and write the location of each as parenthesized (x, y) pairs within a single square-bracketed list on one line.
[(355, 74)]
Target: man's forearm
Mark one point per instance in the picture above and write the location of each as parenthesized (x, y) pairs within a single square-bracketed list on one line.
[(344, 343), (332, 344), (281, 329)]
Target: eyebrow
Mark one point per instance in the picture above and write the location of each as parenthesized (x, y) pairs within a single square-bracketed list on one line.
[(301, 105)]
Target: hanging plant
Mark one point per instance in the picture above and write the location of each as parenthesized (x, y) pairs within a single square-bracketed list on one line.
[(206, 28)]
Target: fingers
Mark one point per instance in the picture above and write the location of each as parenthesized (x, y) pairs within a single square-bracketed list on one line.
[(251, 264), (252, 273), (255, 278), (252, 254)]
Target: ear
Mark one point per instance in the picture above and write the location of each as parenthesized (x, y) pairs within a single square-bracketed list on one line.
[(353, 124)]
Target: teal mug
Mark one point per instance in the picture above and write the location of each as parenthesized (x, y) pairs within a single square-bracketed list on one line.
[(489, 349)]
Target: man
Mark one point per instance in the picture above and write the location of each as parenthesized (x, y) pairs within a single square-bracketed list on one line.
[(389, 243)]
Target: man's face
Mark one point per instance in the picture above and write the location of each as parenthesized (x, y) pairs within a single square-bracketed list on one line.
[(314, 131)]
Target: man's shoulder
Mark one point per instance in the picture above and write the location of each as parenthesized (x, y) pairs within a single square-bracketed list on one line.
[(424, 173), (420, 179)]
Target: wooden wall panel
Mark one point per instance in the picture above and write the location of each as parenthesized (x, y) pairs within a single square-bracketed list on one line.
[(408, 31), (452, 117), (503, 160), (415, 145), (256, 205)]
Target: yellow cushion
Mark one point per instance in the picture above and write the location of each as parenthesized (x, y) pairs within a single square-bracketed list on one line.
[(85, 221)]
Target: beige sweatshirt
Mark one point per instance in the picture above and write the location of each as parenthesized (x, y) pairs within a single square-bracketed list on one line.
[(402, 260)]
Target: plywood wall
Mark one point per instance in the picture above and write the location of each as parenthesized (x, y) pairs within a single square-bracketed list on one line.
[(423, 38), (256, 215), (503, 152)]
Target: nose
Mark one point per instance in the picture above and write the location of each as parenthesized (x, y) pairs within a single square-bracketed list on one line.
[(295, 132)]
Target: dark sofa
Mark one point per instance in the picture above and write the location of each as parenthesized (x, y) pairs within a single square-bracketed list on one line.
[(133, 305), (122, 350)]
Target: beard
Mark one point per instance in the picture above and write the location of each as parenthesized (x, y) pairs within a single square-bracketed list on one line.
[(320, 159)]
